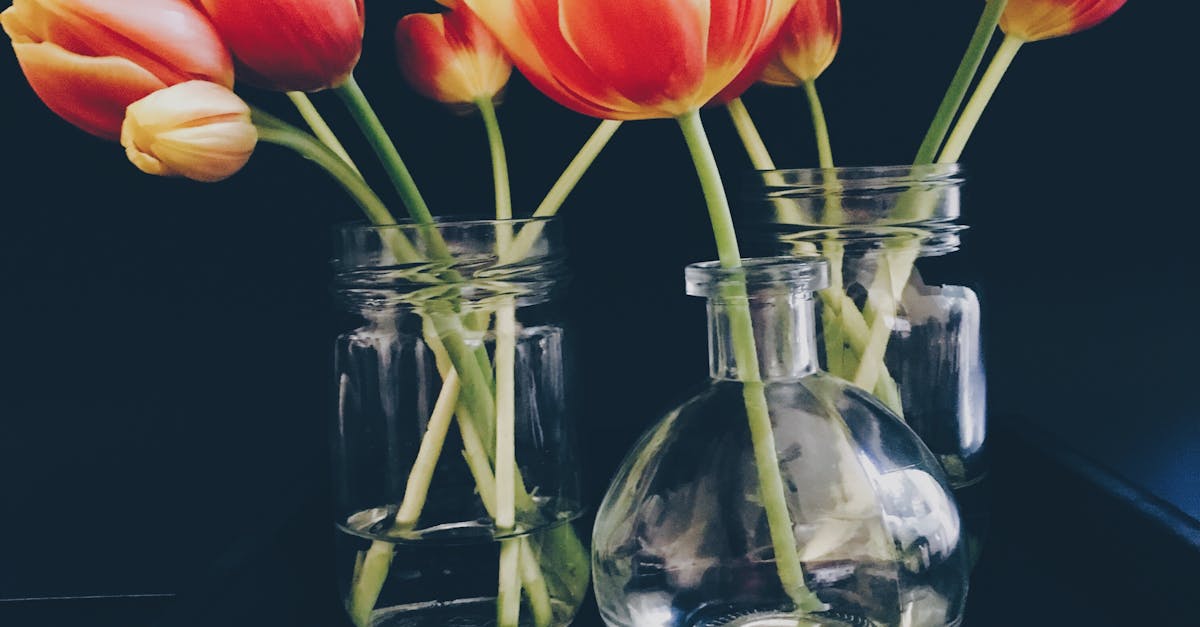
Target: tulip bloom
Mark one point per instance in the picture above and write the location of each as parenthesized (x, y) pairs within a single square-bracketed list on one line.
[(196, 129), (451, 57), (1034, 20), (634, 59), (89, 59), (806, 44), (290, 45)]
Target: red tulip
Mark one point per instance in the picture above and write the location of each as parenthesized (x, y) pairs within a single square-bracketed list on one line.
[(1034, 20), (197, 130), (89, 59), (632, 59), (451, 57), (804, 47), (806, 44), (290, 45)]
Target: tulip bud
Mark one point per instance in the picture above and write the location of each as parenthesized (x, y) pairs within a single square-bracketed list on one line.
[(198, 130), (290, 45), (1034, 20), (806, 44), (451, 57), (89, 59)]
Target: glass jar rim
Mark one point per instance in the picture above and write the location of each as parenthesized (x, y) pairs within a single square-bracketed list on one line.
[(791, 273), (409, 224), (892, 173)]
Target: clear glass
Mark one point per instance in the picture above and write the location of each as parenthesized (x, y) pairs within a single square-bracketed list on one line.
[(683, 536), (456, 477), (897, 318)]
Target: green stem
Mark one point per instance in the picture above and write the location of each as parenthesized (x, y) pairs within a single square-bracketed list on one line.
[(319, 127), (562, 188), (275, 131), (382, 144), (771, 488), (979, 100), (961, 81), (499, 160), (820, 127), (575, 170), (756, 149)]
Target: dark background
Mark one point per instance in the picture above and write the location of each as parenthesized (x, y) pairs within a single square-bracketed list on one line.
[(165, 374)]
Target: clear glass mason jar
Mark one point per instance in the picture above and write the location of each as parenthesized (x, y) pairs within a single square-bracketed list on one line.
[(898, 318), (865, 530), (455, 459)]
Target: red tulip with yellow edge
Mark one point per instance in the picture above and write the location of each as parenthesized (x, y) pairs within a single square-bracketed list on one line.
[(1023, 21), (198, 130), (1035, 20), (634, 59), (89, 59), (451, 57), (290, 45), (806, 44)]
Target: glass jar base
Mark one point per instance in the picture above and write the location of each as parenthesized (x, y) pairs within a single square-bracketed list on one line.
[(756, 618), (479, 612)]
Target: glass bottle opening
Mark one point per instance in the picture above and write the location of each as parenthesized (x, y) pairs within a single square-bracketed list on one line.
[(800, 273)]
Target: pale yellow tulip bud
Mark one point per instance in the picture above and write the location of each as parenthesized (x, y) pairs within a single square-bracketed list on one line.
[(197, 129)]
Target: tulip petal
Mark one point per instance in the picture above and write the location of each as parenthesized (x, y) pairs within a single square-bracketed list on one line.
[(210, 153), (1035, 20), (89, 92), (650, 51), (521, 23), (291, 45), (170, 38)]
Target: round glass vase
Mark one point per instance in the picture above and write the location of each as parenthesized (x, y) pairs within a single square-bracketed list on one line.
[(777, 496), (897, 318), (455, 465)]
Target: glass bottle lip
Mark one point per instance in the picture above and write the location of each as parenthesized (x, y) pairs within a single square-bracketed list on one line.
[(814, 180), (795, 273)]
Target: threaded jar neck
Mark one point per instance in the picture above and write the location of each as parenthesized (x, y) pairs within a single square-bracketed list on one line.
[(463, 264)]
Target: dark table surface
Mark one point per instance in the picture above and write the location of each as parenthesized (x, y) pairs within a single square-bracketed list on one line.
[(1069, 544)]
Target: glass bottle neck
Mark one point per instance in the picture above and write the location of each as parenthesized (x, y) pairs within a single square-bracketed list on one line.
[(784, 336)]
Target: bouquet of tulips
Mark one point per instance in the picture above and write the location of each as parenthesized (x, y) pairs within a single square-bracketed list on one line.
[(159, 75)]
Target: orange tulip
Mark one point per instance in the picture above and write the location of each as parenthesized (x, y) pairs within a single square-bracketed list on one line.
[(198, 130), (1034, 20), (633, 59), (451, 57), (290, 45), (89, 59), (806, 44)]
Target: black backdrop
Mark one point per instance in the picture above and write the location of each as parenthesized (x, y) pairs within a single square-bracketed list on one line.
[(166, 345)]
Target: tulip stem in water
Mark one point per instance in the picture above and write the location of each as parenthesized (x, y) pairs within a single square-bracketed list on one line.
[(770, 481), (961, 81), (319, 126), (820, 127), (979, 100), (756, 149)]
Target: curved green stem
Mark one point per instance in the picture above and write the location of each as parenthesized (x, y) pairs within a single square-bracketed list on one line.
[(756, 149), (979, 100), (382, 144), (961, 81), (820, 127), (275, 131), (770, 481), (319, 127)]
